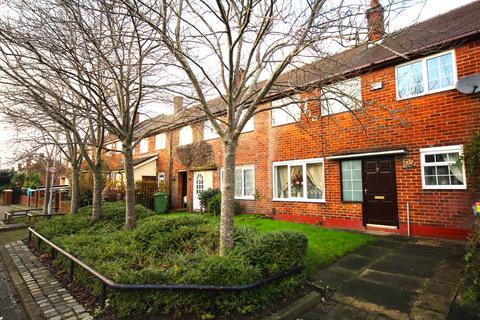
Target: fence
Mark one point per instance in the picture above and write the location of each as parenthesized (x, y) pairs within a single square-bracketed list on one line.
[(144, 193)]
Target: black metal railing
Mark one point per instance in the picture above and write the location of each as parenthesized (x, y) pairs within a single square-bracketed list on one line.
[(213, 290)]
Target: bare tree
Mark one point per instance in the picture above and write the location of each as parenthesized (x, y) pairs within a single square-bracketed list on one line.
[(244, 53), (91, 57)]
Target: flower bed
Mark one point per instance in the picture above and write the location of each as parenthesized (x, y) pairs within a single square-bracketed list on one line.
[(177, 250)]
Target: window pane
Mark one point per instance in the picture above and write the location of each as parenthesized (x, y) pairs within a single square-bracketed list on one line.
[(430, 171), (443, 180), (281, 176), (315, 181), (441, 157), (352, 180), (431, 181), (288, 110), (296, 181), (248, 182), (342, 96), (442, 170), (430, 158), (440, 72), (453, 156), (410, 80), (238, 182)]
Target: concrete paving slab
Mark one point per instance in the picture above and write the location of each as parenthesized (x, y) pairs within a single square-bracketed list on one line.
[(353, 263), (407, 283), (424, 250), (388, 243), (334, 277), (373, 252), (407, 265), (389, 297)]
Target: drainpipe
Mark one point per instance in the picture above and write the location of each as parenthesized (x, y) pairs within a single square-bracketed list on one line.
[(408, 219)]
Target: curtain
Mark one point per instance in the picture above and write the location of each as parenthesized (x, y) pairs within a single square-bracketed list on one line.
[(315, 175), (282, 181), (457, 171), (296, 181)]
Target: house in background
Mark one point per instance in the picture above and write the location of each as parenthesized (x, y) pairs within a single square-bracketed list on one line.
[(389, 165)]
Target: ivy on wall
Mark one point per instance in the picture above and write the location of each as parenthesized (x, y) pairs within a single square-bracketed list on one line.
[(196, 155)]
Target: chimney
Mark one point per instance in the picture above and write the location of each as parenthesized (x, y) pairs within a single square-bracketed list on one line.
[(177, 104), (375, 21)]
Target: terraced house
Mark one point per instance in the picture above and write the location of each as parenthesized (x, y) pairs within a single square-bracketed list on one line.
[(390, 164)]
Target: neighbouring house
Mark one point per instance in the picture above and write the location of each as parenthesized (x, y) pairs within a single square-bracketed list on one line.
[(386, 166)]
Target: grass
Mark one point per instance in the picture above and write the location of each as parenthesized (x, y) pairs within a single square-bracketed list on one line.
[(9, 236), (324, 245)]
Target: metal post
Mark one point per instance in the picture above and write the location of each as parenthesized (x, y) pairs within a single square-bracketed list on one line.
[(103, 293), (72, 266), (53, 253), (213, 301), (29, 235), (38, 243)]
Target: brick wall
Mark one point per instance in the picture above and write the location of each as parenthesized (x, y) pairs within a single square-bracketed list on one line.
[(444, 118)]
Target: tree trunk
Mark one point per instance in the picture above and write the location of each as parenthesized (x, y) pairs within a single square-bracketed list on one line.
[(46, 196), (74, 191), (228, 194), (97, 193), (130, 219)]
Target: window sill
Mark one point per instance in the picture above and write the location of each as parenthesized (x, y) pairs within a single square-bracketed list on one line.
[(426, 93), (299, 200), (245, 198), (463, 187), (284, 124)]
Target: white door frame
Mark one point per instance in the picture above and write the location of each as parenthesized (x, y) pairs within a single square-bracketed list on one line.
[(202, 180)]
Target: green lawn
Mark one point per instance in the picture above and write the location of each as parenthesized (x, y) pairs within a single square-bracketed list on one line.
[(9, 236), (324, 245)]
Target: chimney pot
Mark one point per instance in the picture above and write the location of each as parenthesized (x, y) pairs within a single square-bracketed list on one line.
[(375, 21), (177, 104)]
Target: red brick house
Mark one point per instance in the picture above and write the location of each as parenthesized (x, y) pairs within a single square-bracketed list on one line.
[(390, 165)]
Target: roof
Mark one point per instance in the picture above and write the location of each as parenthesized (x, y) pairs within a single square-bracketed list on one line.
[(435, 34), (136, 162)]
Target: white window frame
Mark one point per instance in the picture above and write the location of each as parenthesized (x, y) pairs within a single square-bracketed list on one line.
[(302, 163), (296, 100), (161, 137), (425, 74), (143, 145), (209, 133), (161, 177), (183, 131), (439, 150), (250, 125), (340, 83), (243, 168)]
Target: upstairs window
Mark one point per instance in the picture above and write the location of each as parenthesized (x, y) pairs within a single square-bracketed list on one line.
[(185, 136), (209, 132), (342, 96), (160, 141), (250, 125), (118, 146), (144, 145), (286, 110), (428, 75), (441, 168)]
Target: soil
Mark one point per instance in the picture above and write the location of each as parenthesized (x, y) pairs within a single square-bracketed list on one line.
[(90, 301)]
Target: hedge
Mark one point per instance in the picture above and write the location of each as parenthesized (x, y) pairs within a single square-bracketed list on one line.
[(177, 250)]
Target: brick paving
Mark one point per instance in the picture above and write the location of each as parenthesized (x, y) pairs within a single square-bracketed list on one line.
[(54, 301)]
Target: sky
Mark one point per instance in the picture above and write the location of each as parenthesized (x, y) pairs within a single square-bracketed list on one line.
[(419, 13)]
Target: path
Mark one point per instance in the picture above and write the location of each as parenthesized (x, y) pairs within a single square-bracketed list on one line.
[(54, 301), (10, 308), (392, 279)]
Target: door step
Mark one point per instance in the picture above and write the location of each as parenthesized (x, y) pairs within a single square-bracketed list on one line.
[(381, 226)]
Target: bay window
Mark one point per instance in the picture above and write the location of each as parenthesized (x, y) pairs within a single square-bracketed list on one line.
[(299, 180)]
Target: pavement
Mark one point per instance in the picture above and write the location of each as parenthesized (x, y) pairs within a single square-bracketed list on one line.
[(10, 307), (394, 278)]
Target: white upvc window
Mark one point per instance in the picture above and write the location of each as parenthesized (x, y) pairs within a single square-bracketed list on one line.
[(441, 168), (209, 132), (286, 110), (144, 145), (160, 141), (161, 179), (299, 180), (244, 182), (250, 125), (118, 145), (431, 74), (341, 96), (185, 136)]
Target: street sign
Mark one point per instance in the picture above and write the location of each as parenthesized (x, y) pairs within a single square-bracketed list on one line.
[(52, 170)]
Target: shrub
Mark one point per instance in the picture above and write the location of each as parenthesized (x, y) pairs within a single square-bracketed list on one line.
[(206, 196), (178, 250), (215, 205)]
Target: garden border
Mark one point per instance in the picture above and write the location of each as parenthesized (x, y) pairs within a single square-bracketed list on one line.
[(106, 282)]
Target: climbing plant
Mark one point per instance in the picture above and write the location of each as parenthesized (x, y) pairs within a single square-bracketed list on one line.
[(471, 158)]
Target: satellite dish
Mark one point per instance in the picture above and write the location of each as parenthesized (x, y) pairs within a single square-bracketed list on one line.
[(469, 84)]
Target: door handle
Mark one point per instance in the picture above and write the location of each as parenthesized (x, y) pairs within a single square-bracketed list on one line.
[(365, 190)]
